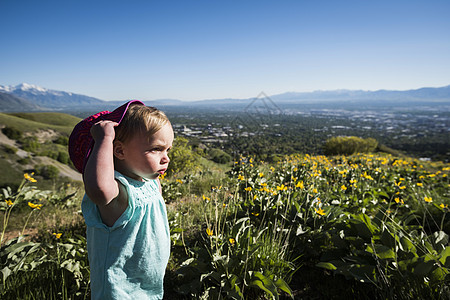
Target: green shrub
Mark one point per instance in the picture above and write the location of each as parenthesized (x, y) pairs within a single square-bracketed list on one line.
[(219, 156), (30, 144), (182, 158), (63, 157), (47, 171), (12, 133), (24, 161), (348, 145), (10, 149), (62, 140)]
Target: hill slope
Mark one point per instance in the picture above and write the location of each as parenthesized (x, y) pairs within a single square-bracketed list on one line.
[(32, 122)]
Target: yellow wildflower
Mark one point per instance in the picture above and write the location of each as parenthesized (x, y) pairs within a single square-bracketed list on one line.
[(443, 205), (419, 184), (315, 191), (281, 188), (240, 177), (232, 241), (179, 181), (9, 202), (398, 200), (248, 189), (343, 187), (320, 211), (300, 185), (428, 199), (57, 235), (32, 205), (261, 174), (29, 178), (255, 214), (209, 232), (365, 175), (205, 198)]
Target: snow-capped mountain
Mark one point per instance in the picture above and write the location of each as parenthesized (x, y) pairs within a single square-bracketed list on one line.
[(11, 103), (49, 99)]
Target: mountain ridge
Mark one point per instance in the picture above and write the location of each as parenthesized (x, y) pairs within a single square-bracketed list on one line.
[(29, 97)]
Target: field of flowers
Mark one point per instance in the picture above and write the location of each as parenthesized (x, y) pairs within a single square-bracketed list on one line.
[(361, 226)]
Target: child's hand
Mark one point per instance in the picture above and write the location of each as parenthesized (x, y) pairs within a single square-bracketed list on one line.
[(103, 129)]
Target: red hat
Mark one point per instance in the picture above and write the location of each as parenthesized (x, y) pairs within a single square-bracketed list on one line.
[(81, 141)]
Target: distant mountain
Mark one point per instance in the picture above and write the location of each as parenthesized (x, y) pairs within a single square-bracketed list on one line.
[(26, 97), (422, 94), (13, 103), (49, 99)]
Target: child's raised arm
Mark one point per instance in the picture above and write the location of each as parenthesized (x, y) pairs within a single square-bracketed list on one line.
[(98, 177)]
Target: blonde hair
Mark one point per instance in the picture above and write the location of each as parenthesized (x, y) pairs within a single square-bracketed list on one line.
[(142, 119)]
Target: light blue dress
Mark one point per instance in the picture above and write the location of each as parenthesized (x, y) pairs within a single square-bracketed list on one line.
[(129, 259)]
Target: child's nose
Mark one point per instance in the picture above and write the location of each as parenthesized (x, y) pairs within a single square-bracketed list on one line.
[(165, 159)]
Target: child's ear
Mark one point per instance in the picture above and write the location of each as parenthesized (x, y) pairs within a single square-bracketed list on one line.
[(118, 149)]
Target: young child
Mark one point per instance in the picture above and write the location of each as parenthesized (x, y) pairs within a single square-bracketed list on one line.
[(121, 154)]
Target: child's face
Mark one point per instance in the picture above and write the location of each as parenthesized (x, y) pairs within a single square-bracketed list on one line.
[(147, 158)]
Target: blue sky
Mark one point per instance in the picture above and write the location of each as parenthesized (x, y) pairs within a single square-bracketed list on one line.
[(191, 50)]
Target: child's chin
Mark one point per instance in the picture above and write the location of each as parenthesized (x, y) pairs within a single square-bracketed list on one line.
[(153, 176)]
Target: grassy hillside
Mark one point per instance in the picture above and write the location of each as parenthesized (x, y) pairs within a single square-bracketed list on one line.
[(31, 122), (40, 144)]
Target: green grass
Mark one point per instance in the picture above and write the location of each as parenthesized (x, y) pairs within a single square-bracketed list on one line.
[(51, 118), (31, 122)]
